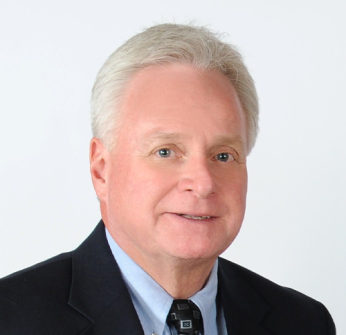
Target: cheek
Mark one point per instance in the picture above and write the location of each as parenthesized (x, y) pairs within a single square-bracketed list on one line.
[(240, 196), (234, 199), (140, 185), (234, 183)]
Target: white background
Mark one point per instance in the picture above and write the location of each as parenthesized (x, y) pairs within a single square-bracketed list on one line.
[(50, 53)]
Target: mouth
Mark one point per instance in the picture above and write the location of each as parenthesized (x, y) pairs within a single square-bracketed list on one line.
[(196, 217)]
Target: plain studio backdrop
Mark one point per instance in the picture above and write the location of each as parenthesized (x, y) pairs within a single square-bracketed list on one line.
[(294, 230)]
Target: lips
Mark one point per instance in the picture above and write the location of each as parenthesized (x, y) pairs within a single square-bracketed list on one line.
[(195, 217)]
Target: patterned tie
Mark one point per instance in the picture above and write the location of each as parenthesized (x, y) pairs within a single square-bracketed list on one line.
[(184, 318)]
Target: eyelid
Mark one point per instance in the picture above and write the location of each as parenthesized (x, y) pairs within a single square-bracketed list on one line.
[(233, 153), (173, 148), (171, 152), (231, 157)]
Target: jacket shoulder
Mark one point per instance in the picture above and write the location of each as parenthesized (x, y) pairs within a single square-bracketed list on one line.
[(34, 298), (289, 309), (54, 274), (267, 289)]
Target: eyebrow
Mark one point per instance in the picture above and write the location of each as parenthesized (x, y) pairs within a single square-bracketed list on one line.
[(229, 140), (158, 135), (154, 135)]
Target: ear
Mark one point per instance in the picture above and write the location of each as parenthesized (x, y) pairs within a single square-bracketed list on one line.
[(98, 157)]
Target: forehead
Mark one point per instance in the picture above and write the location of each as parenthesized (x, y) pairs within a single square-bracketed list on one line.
[(179, 81), (178, 98)]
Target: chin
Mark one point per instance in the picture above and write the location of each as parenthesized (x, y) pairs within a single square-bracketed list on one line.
[(196, 251)]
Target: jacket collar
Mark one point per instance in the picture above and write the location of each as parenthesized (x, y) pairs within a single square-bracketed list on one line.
[(98, 290), (243, 308)]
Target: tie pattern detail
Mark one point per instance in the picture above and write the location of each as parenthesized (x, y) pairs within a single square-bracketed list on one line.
[(184, 318)]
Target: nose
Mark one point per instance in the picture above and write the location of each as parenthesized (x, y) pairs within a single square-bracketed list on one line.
[(197, 178)]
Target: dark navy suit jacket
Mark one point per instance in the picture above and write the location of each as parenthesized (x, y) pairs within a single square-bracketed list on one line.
[(82, 292)]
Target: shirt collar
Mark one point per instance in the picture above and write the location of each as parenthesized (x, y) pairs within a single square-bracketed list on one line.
[(153, 303)]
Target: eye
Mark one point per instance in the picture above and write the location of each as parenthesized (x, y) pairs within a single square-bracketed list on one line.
[(224, 157), (164, 153)]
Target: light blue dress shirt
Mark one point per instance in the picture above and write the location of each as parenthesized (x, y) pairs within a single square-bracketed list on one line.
[(153, 303)]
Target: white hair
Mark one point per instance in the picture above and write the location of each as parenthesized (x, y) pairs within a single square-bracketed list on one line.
[(166, 44)]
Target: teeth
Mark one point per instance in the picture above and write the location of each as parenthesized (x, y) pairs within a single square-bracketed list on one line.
[(195, 217)]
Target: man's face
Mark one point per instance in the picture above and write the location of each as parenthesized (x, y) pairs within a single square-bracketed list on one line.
[(175, 183)]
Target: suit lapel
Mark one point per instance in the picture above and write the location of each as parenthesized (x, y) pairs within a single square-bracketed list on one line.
[(243, 308), (98, 290)]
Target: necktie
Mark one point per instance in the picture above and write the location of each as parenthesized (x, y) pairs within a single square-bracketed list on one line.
[(184, 318)]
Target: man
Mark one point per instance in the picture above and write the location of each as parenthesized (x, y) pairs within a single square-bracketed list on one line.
[(175, 115)]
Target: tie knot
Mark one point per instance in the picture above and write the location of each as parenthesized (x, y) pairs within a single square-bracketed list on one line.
[(184, 318)]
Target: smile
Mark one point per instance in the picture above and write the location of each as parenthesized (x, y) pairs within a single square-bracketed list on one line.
[(194, 217)]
